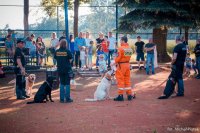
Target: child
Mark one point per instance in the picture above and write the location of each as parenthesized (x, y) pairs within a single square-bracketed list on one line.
[(102, 65), (188, 61), (82, 57), (41, 54), (99, 52), (90, 52), (2, 74), (194, 66)]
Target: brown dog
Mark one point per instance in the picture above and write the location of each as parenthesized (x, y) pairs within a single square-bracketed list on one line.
[(30, 80)]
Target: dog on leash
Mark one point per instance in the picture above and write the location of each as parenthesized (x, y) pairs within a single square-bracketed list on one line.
[(30, 80), (103, 89), (44, 91)]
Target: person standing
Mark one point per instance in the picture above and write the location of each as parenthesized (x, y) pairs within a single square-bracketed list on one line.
[(112, 46), (78, 43), (90, 53), (149, 47), (63, 36), (9, 43), (139, 48), (71, 48), (105, 45), (87, 41), (99, 40), (197, 54), (123, 70), (54, 45), (178, 59), (64, 58), (19, 63), (41, 50)]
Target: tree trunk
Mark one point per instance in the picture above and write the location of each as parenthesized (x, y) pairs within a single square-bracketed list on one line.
[(26, 13), (160, 39), (76, 6), (186, 33)]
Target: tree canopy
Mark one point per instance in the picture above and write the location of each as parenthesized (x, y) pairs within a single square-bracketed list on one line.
[(159, 13)]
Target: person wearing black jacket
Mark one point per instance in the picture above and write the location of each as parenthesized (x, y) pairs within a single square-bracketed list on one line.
[(64, 58), (197, 54), (19, 62)]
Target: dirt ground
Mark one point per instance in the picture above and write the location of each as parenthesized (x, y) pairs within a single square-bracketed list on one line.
[(145, 114)]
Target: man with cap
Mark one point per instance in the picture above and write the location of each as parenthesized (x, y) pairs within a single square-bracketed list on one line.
[(123, 70), (19, 62)]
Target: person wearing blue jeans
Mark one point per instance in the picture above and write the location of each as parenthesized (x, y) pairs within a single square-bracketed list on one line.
[(64, 58), (149, 47), (178, 60)]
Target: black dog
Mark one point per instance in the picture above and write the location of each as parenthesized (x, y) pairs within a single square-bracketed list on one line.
[(170, 85), (43, 91)]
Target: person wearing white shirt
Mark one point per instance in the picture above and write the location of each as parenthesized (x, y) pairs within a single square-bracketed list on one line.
[(112, 46), (87, 41), (54, 46)]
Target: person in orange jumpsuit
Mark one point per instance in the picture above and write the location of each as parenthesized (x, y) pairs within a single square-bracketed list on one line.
[(123, 70)]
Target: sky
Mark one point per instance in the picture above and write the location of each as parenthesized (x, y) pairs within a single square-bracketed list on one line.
[(13, 15)]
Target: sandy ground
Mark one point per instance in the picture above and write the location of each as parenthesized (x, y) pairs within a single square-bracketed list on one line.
[(145, 114)]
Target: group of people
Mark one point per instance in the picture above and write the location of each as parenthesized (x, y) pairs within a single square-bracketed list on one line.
[(79, 51), (151, 58)]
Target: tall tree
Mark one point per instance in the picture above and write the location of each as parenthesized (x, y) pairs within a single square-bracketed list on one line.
[(50, 8), (26, 13), (156, 14)]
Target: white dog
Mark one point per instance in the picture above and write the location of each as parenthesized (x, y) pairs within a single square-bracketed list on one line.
[(30, 80), (102, 91)]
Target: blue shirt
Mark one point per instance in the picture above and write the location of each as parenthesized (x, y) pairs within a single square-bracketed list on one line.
[(71, 46), (79, 42), (90, 50), (9, 44)]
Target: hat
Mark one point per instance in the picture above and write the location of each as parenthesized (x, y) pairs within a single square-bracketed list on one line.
[(20, 41)]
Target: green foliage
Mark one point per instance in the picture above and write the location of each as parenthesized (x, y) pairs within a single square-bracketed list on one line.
[(159, 13)]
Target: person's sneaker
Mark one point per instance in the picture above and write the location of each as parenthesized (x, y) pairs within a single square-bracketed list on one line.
[(163, 97), (69, 100), (21, 98), (129, 97), (27, 96), (197, 77), (62, 101), (179, 95), (119, 98)]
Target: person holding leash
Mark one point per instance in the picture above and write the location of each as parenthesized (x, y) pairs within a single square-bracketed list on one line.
[(64, 57), (19, 63), (123, 70)]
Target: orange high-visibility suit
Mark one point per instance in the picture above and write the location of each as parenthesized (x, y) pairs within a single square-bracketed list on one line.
[(123, 69)]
